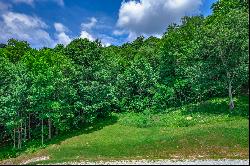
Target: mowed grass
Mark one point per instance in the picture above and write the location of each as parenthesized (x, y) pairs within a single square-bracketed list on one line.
[(183, 133)]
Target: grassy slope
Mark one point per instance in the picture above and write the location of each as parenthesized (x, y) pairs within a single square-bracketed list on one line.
[(207, 134)]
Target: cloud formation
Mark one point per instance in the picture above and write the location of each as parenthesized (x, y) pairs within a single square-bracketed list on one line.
[(32, 2), (60, 27), (24, 27), (29, 28), (61, 36), (85, 34), (89, 30), (86, 29), (151, 17), (90, 24)]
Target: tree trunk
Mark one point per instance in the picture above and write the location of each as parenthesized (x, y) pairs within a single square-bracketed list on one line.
[(42, 132), (231, 103), (19, 138), (29, 126), (14, 138), (25, 131), (56, 131), (49, 122), (21, 134)]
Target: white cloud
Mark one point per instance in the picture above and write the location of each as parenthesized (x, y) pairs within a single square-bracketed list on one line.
[(85, 34), (86, 29), (106, 40), (33, 30), (118, 32), (60, 27), (90, 28), (24, 27), (61, 36), (90, 24), (12, 19), (29, 28), (151, 17), (32, 2), (106, 44)]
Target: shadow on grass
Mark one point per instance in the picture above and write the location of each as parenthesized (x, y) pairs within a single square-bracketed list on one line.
[(7, 151), (220, 107)]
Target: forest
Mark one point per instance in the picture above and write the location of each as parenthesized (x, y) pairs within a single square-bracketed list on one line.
[(48, 91)]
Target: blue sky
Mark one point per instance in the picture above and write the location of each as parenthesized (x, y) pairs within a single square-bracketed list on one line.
[(49, 22)]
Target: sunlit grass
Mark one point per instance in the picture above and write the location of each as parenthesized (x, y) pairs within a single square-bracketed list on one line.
[(205, 130)]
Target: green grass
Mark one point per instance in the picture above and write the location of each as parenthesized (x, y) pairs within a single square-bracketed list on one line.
[(204, 130), (209, 112)]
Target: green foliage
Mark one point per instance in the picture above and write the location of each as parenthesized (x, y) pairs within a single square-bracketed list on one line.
[(134, 86), (224, 6), (14, 50), (83, 52), (221, 50)]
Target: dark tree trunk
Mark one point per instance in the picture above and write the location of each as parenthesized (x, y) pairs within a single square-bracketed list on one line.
[(19, 137), (14, 138), (56, 131), (25, 131), (42, 131), (21, 134), (49, 123), (29, 126)]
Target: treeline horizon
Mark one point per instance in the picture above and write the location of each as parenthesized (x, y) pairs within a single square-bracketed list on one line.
[(47, 91)]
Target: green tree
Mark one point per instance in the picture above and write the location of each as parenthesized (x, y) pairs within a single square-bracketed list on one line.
[(15, 49), (225, 50)]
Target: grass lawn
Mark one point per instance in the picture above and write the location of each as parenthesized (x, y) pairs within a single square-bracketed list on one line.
[(203, 131)]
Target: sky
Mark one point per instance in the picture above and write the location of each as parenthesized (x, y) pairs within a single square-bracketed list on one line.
[(45, 23)]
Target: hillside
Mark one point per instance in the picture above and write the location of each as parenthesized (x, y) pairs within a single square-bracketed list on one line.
[(205, 134)]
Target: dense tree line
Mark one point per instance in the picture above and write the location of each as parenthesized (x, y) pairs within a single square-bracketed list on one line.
[(47, 91)]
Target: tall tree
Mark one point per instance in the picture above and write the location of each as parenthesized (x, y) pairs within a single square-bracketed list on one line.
[(225, 48)]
